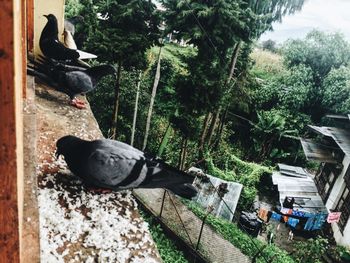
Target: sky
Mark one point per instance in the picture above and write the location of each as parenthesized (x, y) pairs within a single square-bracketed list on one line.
[(325, 15)]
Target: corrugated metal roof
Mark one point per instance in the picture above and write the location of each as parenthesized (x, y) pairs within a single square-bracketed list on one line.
[(338, 117), (340, 136), (317, 152), (321, 130), (302, 188), (295, 171)]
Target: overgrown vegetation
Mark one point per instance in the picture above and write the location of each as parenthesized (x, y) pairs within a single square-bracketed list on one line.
[(236, 170), (248, 245), (167, 248)]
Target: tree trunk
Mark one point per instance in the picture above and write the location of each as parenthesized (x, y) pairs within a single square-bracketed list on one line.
[(154, 91), (113, 131), (220, 129), (183, 153), (203, 135), (233, 62), (213, 123), (135, 110), (227, 82)]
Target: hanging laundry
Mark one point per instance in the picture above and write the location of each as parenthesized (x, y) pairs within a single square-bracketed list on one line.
[(292, 221), (315, 222), (298, 213), (333, 217), (276, 216), (263, 214), (309, 223), (286, 211), (319, 220)]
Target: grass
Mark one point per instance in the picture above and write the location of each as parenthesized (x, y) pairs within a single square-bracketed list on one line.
[(166, 247), (267, 64)]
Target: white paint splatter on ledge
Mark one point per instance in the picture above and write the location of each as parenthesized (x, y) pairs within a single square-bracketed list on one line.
[(79, 226)]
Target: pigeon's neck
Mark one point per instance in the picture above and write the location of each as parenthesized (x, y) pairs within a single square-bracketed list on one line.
[(50, 30)]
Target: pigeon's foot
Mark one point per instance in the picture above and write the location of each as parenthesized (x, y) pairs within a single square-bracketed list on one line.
[(99, 190), (78, 103)]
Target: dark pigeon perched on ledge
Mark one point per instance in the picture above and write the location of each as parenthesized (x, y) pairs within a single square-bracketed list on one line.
[(114, 165), (51, 46), (71, 80)]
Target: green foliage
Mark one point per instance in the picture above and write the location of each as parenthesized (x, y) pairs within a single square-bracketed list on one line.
[(236, 170), (166, 247), (337, 90), (289, 89), (269, 45), (310, 251), (72, 8), (319, 51), (248, 245)]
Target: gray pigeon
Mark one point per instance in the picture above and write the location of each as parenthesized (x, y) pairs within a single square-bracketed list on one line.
[(117, 166), (71, 80)]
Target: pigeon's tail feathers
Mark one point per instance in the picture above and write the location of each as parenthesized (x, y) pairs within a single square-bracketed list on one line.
[(99, 72), (184, 190)]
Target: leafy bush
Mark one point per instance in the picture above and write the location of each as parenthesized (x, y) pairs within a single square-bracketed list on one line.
[(234, 169), (311, 251), (166, 247), (248, 245)]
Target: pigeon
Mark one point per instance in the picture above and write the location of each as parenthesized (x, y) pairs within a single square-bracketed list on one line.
[(71, 80), (69, 24), (51, 46), (69, 40), (114, 165)]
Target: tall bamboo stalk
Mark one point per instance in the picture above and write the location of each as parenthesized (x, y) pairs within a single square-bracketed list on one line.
[(154, 91), (135, 109), (113, 131)]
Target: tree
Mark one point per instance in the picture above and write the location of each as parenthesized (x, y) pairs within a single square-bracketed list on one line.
[(336, 90), (269, 45), (321, 53), (154, 91), (122, 34)]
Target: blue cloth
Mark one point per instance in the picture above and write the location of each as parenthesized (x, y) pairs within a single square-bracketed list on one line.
[(315, 222), (298, 213), (309, 223), (318, 222), (292, 222), (276, 216)]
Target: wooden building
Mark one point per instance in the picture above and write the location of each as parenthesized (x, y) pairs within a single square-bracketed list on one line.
[(332, 150)]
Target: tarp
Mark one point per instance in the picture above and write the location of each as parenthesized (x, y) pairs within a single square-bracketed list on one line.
[(207, 196)]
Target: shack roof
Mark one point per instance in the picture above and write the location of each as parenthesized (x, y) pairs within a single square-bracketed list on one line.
[(340, 136), (317, 152), (301, 187)]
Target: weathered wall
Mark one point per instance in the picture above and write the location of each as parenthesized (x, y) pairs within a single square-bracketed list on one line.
[(45, 7), (341, 238), (11, 142)]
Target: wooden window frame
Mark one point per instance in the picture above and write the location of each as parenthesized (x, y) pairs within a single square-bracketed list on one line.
[(343, 206), (322, 178)]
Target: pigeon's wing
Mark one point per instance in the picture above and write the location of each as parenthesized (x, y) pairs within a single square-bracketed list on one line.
[(116, 169), (78, 82), (122, 145)]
